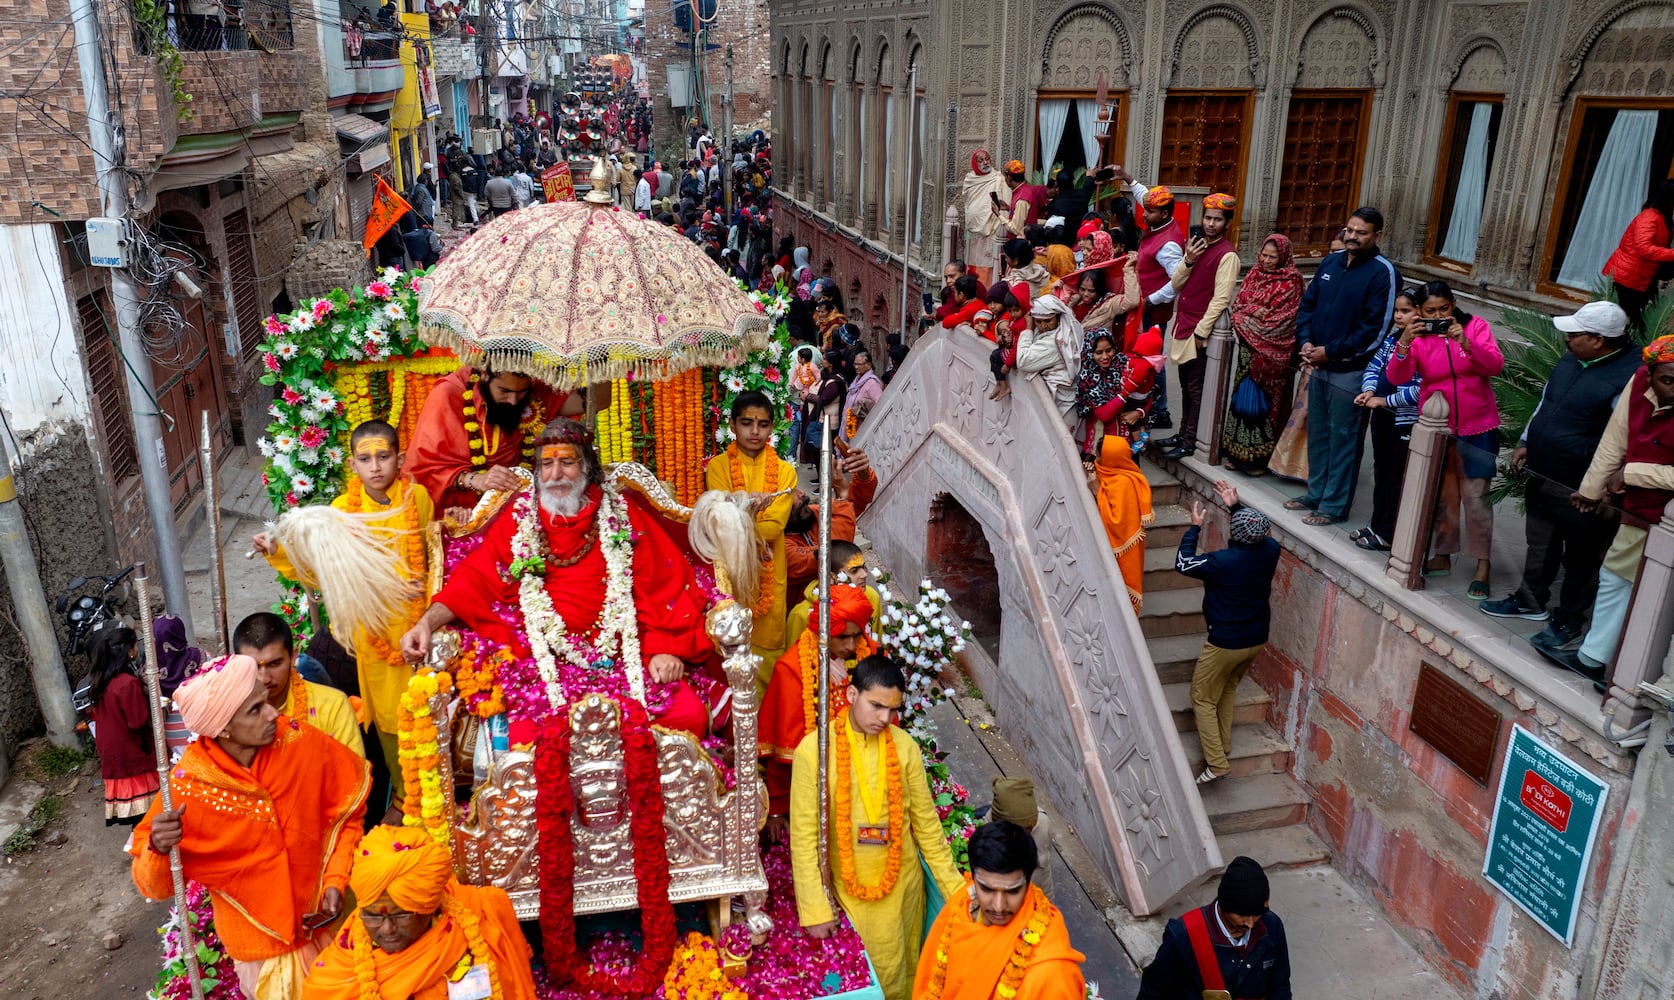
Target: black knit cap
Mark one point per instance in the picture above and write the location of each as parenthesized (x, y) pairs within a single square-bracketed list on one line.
[(1243, 888)]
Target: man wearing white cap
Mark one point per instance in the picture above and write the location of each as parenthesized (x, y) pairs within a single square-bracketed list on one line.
[(1554, 450)]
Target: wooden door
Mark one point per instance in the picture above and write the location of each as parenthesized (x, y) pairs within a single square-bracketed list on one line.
[(1319, 184), (187, 380), (108, 382), (1205, 136)]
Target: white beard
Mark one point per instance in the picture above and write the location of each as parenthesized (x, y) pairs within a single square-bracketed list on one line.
[(563, 498)]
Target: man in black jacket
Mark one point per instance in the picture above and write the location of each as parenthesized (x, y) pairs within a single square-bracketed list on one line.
[(1237, 585), (1556, 448), (1235, 944), (1345, 313)]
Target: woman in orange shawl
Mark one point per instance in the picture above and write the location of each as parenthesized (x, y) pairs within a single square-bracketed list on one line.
[(1124, 498), (419, 934)]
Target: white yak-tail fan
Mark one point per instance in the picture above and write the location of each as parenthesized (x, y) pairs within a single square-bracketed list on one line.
[(353, 563), (723, 532)]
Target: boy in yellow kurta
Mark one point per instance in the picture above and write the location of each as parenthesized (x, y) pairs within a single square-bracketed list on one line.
[(882, 819), (749, 464), (376, 458)]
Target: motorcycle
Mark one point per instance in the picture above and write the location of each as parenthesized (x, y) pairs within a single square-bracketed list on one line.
[(83, 611)]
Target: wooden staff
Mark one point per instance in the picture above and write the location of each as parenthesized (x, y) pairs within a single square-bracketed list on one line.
[(212, 522), (823, 713), (159, 713)]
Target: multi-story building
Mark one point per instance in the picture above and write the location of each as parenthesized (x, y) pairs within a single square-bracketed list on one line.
[(232, 163), (1507, 143)]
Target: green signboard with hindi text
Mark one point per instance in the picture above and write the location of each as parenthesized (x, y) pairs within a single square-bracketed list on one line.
[(1546, 818)]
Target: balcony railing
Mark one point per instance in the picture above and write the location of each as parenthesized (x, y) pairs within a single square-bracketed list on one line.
[(212, 26), (363, 46)]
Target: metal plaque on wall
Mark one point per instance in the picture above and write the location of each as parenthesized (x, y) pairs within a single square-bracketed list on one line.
[(1462, 727)]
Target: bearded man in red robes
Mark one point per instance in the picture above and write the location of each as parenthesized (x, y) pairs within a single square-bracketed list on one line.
[(475, 427), (601, 589)]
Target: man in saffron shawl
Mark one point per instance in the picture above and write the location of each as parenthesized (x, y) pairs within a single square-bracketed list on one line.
[(586, 543), (261, 805), (785, 713), (1001, 916), (476, 426), (882, 818), (418, 933)]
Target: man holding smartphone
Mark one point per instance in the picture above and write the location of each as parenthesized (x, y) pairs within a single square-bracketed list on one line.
[(1205, 280)]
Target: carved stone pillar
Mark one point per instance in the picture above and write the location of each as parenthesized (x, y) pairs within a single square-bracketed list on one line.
[(1220, 364), (1425, 458), (1650, 621)]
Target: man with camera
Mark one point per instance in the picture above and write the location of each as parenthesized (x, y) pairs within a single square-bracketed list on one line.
[(1554, 451)]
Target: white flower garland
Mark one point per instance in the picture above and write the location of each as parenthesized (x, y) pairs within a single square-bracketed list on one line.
[(618, 625)]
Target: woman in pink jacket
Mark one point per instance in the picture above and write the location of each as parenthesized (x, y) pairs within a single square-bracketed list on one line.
[(1456, 355)]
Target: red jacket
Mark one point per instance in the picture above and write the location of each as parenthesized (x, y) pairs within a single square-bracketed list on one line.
[(1643, 247), (964, 314)]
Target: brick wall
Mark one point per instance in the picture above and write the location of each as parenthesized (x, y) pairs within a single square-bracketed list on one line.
[(739, 23)]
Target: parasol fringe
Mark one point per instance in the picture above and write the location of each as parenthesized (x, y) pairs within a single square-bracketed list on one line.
[(622, 358)]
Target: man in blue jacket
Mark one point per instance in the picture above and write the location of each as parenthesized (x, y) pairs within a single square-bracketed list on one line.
[(1237, 585), (1235, 945), (1345, 312)]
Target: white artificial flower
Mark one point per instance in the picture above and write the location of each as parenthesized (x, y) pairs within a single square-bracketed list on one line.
[(302, 484), (285, 349), (334, 455), (395, 311), (265, 447), (308, 456), (284, 444), (302, 322), (282, 464), (274, 411)]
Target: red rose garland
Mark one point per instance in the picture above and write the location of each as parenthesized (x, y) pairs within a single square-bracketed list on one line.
[(554, 809)]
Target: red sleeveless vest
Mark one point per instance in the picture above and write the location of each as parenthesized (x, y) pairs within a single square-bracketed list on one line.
[(1199, 289), (1151, 275)]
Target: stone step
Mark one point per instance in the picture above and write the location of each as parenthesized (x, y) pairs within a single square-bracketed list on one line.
[(1172, 612), (1284, 847), (1168, 523), (1257, 802), (1256, 749), (1165, 488), (1251, 708), (1160, 575), (1174, 656)]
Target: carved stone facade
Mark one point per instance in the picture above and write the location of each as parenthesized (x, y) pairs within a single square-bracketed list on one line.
[(1405, 62)]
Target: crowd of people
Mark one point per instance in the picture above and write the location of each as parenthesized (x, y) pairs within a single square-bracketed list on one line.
[(1099, 287)]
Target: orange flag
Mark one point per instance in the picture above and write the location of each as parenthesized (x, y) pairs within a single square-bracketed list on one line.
[(387, 209)]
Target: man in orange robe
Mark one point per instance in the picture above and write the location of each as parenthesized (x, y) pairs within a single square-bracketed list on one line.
[(456, 455), (261, 804), (999, 916), (784, 712), (424, 936), (852, 488), (668, 602)]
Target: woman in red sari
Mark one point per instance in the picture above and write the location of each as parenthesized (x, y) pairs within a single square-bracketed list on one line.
[(1264, 320)]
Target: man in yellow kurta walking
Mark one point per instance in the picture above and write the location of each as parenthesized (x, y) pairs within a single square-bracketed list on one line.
[(379, 488), (749, 464), (882, 819)]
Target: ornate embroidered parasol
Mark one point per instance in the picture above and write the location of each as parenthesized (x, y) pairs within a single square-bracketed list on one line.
[(578, 292)]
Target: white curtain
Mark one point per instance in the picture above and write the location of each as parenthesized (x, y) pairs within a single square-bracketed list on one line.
[(1614, 194), (1466, 223), (1054, 112), (1086, 113), (887, 166)]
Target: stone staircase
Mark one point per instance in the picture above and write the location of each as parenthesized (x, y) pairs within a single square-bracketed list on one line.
[(1258, 809)]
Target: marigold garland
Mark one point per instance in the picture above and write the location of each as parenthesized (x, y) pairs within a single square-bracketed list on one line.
[(843, 809), (419, 749), (851, 425), (298, 703), (1022, 952), (366, 964), (475, 677), (555, 844), (808, 649)]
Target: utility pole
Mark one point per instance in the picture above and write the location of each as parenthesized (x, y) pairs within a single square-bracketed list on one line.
[(105, 132), (29, 603), (726, 163)]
